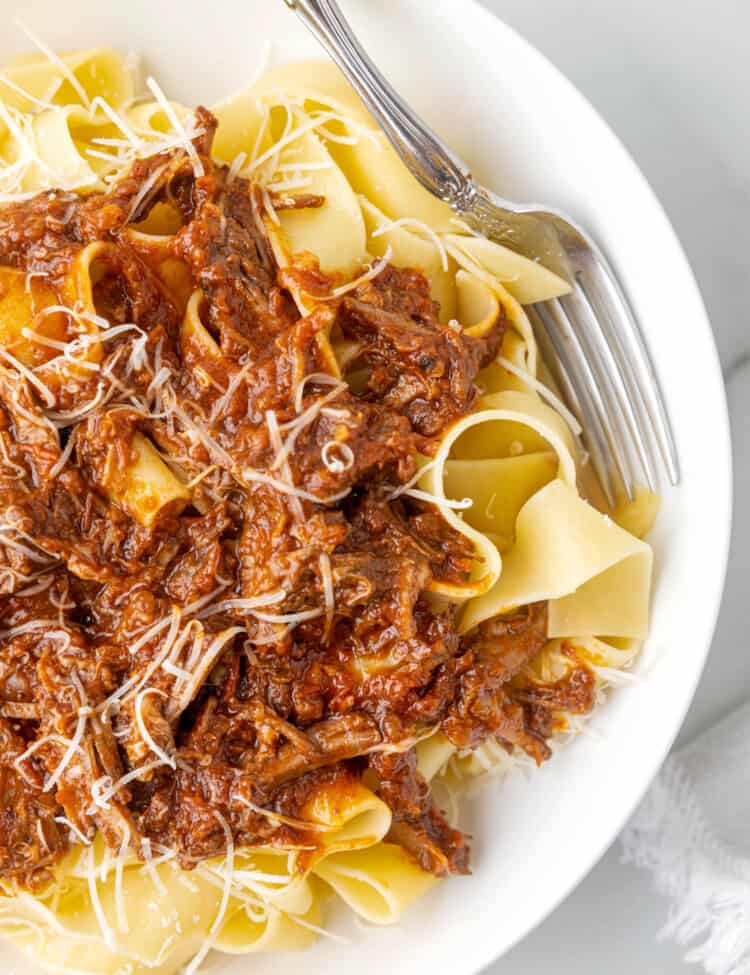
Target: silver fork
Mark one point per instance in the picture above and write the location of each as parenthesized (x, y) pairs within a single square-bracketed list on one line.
[(590, 338)]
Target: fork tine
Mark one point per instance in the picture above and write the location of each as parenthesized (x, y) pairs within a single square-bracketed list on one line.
[(629, 348), (621, 420), (568, 352), (628, 401), (631, 422), (553, 362), (581, 332)]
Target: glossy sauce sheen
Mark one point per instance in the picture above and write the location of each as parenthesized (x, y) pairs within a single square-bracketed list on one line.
[(282, 706)]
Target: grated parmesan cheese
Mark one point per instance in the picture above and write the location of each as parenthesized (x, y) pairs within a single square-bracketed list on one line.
[(252, 475), (179, 128), (83, 840), (321, 378), (39, 743), (197, 961), (412, 481), (248, 604), (104, 795), (234, 170), (36, 382), (107, 932), (375, 269), (296, 426), (275, 438), (289, 618), (56, 61), (122, 916), (144, 191), (420, 495), (148, 866), (199, 664), (39, 102), (423, 229), (324, 562), (64, 457), (544, 391), (144, 732), (337, 464), (286, 820), (72, 748)]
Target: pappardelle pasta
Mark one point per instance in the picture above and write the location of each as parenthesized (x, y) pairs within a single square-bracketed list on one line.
[(293, 523)]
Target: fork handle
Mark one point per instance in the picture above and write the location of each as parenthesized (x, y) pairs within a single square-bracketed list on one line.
[(436, 167), (426, 156)]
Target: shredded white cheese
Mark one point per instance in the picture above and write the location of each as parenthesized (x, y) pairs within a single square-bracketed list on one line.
[(289, 618), (199, 664), (544, 391), (122, 916), (296, 426), (106, 794), (422, 228), (237, 163), (286, 820), (72, 748), (148, 866), (145, 189), (374, 270), (320, 378), (177, 125), (36, 382), (246, 604), (56, 61), (412, 481), (39, 102), (39, 743), (290, 489), (64, 821), (419, 495), (144, 732), (252, 475), (337, 456), (107, 932), (64, 457), (326, 575), (197, 961)]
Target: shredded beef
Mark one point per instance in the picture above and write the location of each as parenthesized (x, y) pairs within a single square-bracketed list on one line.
[(278, 631)]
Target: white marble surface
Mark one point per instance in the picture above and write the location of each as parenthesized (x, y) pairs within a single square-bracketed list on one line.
[(672, 77)]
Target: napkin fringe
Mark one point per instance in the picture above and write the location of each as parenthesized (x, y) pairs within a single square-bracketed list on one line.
[(708, 885)]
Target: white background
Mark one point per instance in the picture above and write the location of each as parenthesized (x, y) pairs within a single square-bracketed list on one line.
[(672, 77)]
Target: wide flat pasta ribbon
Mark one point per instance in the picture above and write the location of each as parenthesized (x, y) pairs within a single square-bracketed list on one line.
[(23, 304), (75, 78), (378, 883), (511, 417), (595, 575), (334, 232), (526, 280)]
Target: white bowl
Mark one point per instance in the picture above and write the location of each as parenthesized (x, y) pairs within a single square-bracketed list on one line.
[(531, 135)]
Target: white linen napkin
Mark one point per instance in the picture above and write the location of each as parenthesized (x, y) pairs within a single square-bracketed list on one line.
[(693, 832)]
